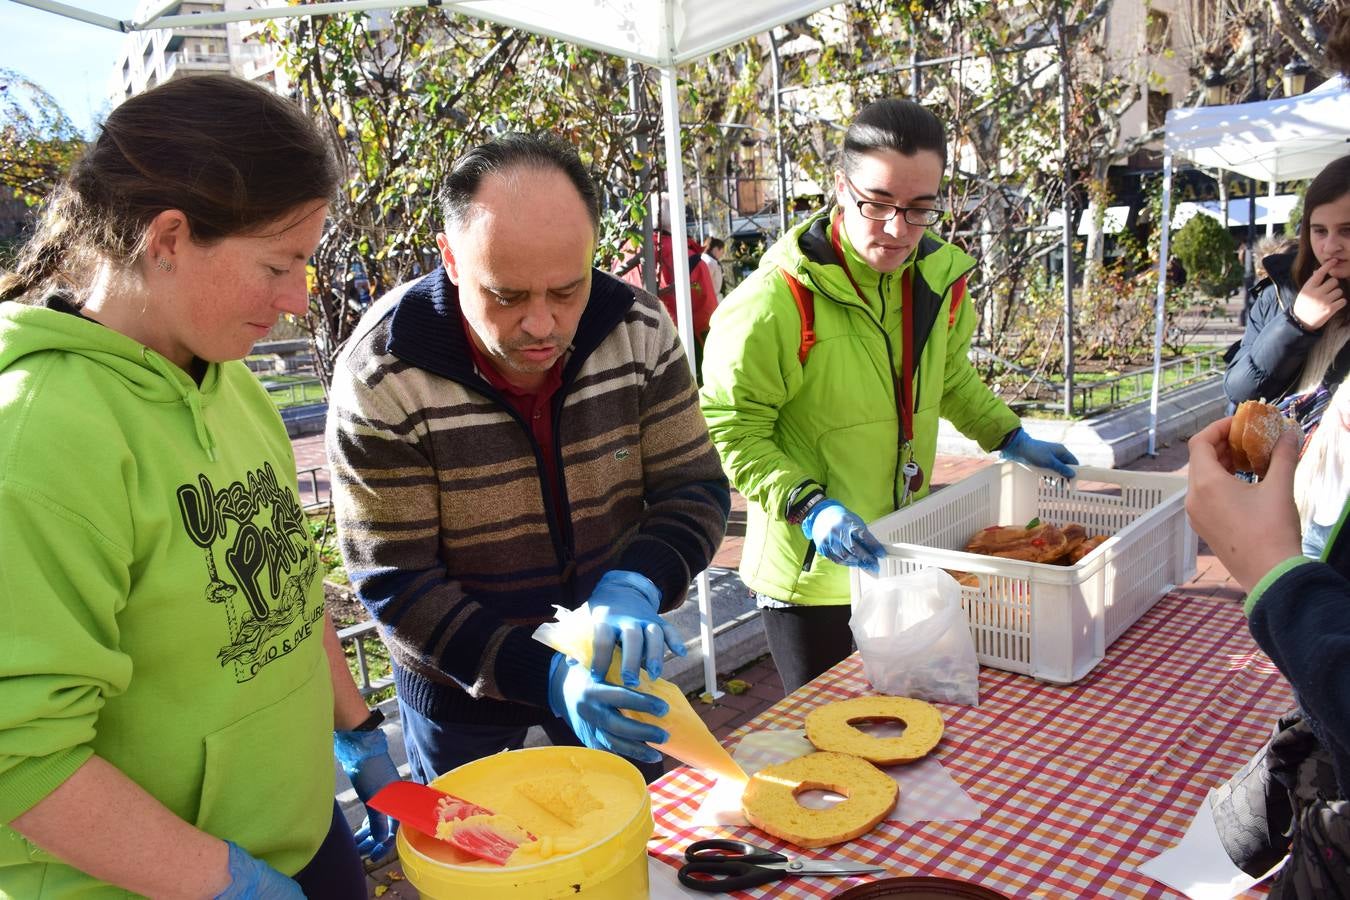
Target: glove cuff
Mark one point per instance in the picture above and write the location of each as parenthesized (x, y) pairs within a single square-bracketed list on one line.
[(643, 585), (555, 698), (1010, 438), (352, 747), (815, 511)]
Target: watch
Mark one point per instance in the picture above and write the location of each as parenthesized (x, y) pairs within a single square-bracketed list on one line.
[(372, 721), (800, 507)]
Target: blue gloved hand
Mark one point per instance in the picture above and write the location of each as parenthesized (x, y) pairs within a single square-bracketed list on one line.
[(591, 706), (364, 756), (1026, 449), (253, 879), (624, 608), (840, 536)]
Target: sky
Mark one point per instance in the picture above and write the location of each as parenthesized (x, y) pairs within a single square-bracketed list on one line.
[(71, 60)]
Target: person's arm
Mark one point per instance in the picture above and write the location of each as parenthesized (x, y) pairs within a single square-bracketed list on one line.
[(967, 402), (386, 502), (686, 492), (1298, 609), (1273, 349), (349, 707), (102, 823), (750, 370)]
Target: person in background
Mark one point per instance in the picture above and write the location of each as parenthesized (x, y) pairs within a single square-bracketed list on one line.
[(515, 431), (825, 373), (703, 292), (1297, 338), (169, 680), (712, 257), (1298, 609)]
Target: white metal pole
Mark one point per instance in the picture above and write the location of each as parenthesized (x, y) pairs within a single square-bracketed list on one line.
[(670, 106), (1161, 305)]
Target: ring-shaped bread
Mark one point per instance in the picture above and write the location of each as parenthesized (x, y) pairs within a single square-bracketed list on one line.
[(831, 727), (770, 799)]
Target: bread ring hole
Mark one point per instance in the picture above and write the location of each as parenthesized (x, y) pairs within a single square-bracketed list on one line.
[(819, 794), (879, 727)]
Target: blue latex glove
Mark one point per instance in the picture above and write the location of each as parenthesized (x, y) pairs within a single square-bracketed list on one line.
[(364, 756), (624, 609), (840, 536), (253, 879), (1026, 449), (591, 706)]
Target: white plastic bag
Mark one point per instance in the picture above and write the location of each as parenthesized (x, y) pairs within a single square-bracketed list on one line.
[(914, 638)]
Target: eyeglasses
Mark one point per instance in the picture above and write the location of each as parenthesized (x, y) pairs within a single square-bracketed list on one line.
[(884, 212)]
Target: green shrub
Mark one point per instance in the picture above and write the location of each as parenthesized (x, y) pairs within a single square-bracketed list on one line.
[(1209, 254)]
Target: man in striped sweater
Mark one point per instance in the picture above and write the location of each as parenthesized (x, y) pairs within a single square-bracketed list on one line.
[(513, 431)]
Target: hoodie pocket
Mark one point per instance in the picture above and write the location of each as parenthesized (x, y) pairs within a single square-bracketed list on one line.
[(269, 779)]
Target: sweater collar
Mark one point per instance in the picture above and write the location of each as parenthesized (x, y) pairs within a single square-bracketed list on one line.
[(427, 328)]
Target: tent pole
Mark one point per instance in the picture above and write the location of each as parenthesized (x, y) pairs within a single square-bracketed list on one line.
[(1161, 305), (670, 106), (1270, 212)]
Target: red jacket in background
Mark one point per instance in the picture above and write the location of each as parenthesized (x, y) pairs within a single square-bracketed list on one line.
[(702, 294)]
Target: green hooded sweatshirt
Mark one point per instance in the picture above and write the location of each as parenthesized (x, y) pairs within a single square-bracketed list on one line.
[(833, 420), (159, 595)]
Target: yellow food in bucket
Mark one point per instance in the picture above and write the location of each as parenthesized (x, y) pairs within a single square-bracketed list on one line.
[(588, 810)]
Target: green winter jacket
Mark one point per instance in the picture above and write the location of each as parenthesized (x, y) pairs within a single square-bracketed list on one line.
[(160, 598), (778, 422)]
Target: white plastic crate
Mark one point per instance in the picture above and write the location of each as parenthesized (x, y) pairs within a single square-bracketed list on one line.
[(1051, 622)]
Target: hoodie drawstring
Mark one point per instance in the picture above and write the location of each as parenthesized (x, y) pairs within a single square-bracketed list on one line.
[(191, 398)]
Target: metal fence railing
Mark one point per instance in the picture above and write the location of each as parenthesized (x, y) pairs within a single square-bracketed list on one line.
[(1100, 395)]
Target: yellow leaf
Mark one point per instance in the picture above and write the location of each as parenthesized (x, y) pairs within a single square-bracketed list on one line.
[(381, 890), (342, 130), (705, 697), (395, 875), (737, 687)]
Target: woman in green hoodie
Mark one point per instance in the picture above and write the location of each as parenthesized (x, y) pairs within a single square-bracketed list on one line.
[(170, 685), (824, 375)]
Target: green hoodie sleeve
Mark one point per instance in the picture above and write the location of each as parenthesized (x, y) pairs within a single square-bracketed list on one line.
[(750, 370), (967, 402), (61, 586)]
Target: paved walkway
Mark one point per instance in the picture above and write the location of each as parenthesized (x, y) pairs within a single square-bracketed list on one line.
[(762, 686)]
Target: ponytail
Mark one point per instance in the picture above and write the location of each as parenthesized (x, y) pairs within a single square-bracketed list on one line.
[(50, 258)]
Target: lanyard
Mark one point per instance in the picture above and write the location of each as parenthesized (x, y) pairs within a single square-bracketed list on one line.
[(904, 386)]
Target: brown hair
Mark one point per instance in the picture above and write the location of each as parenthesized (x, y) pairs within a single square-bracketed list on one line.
[(1330, 185), (229, 154)]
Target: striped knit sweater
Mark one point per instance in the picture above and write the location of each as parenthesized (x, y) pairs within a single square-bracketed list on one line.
[(444, 515)]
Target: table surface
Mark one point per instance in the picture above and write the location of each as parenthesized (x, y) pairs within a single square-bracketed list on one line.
[(1079, 783)]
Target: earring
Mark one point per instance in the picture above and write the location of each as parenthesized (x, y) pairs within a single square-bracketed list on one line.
[(164, 264)]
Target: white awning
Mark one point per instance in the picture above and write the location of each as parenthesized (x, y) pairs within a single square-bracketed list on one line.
[(1113, 222)]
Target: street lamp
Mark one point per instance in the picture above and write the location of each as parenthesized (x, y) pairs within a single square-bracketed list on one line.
[(1295, 76)]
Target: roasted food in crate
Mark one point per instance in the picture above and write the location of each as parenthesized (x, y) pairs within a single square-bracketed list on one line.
[(1036, 541), (1252, 436)]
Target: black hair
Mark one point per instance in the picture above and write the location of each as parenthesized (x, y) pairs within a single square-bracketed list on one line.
[(900, 125), (229, 154), (510, 151)]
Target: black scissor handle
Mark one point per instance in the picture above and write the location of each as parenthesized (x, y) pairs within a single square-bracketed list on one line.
[(724, 875), (727, 850)]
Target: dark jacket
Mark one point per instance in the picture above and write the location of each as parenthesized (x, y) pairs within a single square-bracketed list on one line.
[(1275, 346)]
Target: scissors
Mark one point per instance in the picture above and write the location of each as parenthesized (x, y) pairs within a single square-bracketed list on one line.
[(719, 866)]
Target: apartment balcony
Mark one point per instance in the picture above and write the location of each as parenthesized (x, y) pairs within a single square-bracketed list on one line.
[(184, 63)]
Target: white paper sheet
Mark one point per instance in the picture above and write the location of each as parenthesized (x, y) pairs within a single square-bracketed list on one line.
[(1199, 867), (927, 792)]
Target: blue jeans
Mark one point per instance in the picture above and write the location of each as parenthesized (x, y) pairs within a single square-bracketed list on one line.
[(435, 748)]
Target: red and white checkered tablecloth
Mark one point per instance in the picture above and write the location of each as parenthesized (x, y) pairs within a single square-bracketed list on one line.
[(1079, 783)]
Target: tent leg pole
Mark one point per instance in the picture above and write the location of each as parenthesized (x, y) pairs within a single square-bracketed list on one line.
[(1160, 306)]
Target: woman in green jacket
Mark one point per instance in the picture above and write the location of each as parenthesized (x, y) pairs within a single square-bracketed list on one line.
[(825, 373)]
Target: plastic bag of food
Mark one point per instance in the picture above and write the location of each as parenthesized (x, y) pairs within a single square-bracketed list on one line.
[(914, 637)]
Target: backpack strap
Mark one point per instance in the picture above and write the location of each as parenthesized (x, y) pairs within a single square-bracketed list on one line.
[(958, 294), (806, 307)]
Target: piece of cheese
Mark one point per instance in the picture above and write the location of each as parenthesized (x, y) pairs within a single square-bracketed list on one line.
[(567, 799)]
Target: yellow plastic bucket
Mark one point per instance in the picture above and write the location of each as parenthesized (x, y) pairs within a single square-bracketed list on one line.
[(612, 866)]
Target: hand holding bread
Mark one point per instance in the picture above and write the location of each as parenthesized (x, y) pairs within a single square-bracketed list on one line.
[(1255, 428), (1250, 527)]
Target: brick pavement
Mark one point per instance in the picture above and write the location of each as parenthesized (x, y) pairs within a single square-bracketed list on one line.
[(762, 686)]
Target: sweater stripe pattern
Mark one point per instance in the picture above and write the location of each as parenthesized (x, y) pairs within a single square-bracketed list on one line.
[(445, 516)]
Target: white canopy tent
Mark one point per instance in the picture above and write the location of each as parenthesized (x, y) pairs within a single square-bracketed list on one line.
[(1287, 139), (660, 33)]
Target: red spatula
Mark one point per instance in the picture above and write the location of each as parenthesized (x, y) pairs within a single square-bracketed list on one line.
[(422, 808)]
